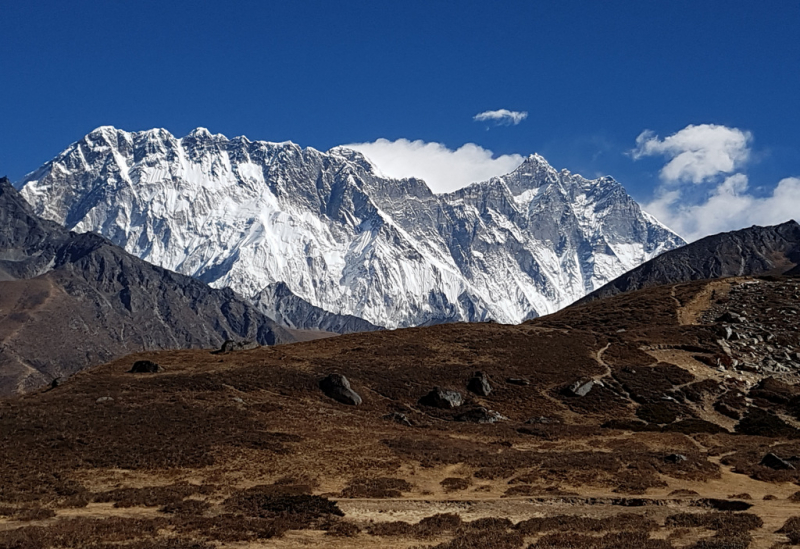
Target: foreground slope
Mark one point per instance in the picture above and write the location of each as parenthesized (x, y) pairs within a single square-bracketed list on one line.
[(272, 219), (747, 252), (622, 423), (68, 301)]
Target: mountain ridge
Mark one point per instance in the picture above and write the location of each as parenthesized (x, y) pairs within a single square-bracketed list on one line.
[(72, 300), (250, 214), (747, 252)]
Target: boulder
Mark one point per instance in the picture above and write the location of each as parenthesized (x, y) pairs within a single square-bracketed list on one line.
[(480, 415), (442, 398), (102, 400), (774, 462), (145, 367), (675, 458), (581, 388), (731, 317), (231, 346), (337, 387), (479, 384)]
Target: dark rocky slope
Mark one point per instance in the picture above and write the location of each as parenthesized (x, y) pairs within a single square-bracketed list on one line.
[(278, 301), (748, 252), (68, 301)]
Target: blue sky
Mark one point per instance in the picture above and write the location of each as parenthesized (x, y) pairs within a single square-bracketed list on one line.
[(592, 76)]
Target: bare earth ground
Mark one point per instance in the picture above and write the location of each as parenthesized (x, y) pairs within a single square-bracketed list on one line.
[(244, 450)]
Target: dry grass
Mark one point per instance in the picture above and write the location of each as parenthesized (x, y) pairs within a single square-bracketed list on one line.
[(383, 487), (222, 449)]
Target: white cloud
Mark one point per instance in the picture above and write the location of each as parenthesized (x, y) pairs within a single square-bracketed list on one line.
[(443, 169), (502, 117), (728, 207), (696, 153), (700, 193)]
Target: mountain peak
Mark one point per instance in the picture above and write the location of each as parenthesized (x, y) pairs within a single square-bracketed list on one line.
[(342, 236), (107, 134), (536, 158), (356, 157), (202, 134)]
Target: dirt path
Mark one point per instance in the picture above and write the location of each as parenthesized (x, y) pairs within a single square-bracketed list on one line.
[(598, 356), (690, 313)]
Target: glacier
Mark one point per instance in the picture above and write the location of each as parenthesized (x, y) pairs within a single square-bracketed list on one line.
[(321, 240)]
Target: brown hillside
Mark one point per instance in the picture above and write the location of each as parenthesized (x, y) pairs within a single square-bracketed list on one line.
[(640, 420)]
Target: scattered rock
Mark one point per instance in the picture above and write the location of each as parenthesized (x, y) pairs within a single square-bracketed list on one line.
[(479, 384), (480, 415), (337, 387), (399, 417), (442, 398), (725, 347), (542, 420), (675, 458), (231, 346), (104, 399), (726, 332), (730, 316), (774, 462), (145, 367), (518, 381), (581, 388)]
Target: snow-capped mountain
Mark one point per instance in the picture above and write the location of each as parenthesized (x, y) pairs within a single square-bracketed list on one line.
[(274, 221)]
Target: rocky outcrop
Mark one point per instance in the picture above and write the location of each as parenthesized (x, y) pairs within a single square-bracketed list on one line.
[(442, 398), (479, 384), (337, 387), (582, 388), (145, 367), (774, 462), (480, 415), (756, 321), (230, 346)]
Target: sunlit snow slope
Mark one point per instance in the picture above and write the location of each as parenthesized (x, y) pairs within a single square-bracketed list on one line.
[(337, 237)]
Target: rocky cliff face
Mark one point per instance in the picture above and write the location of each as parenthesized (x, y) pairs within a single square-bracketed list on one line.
[(327, 228), (68, 301), (748, 252)]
